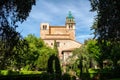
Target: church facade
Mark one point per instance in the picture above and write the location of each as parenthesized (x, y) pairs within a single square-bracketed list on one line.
[(63, 35)]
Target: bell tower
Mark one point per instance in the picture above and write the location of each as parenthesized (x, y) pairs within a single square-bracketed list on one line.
[(70, 25), (44, 29)]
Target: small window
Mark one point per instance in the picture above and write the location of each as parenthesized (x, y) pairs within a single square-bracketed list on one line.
[(58, 44), (44, 27), (70, 26), (51, 43)]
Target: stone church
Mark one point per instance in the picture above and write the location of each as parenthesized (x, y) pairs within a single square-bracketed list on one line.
[(63, 35)]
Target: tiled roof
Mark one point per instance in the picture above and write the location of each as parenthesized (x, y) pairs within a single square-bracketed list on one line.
[(57, 26)]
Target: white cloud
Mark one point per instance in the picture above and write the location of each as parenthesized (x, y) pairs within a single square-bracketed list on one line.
[(84, 37)]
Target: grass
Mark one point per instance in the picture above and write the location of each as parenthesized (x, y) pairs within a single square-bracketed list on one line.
[(30, 72), (4, 72), (93, 72), (8, 72)]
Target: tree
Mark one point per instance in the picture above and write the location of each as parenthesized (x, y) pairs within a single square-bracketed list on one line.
[(41, 62), (54, 66), (20, 55), (83, 58), (11, 47), (94, 28), (38, 53), (11, 12), (94, 52), (115, 55), (56, 48), (108, 19), (108, 26)]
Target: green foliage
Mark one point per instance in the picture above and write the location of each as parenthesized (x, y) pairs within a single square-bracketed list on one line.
[(94, 51), (4, 72), (82, 54), (94, 28), (31, 75), (34, 75), (93, 72), (50, 64), (26, 68), (66, 77), (115, 55), (13, 11), (55, 48), (38, 52), (23, 72), (109, 53), (54, 66), (12, 55), (108, 26), (83, 59), (57, 66), (29, 54), (12, 45), (29, 72), (104, 52)]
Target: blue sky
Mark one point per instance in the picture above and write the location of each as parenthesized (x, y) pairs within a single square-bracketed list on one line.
[(54, 12)]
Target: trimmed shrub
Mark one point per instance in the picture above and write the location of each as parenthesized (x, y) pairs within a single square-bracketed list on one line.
[(54, 62), (50, 64)]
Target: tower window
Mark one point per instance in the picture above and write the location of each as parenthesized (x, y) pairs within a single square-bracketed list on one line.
[(44, 27), (58, 44), (70, 26)]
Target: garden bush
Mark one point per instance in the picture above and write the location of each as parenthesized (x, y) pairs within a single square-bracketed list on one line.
[(9, 72), (30, 75)]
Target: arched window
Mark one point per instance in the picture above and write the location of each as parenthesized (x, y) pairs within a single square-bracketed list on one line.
[(44, 27), (70, 26)]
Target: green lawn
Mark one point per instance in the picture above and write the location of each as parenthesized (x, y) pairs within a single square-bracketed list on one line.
[(8, 72)]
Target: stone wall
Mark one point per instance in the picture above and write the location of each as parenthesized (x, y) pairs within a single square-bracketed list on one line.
[(63, 45)]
